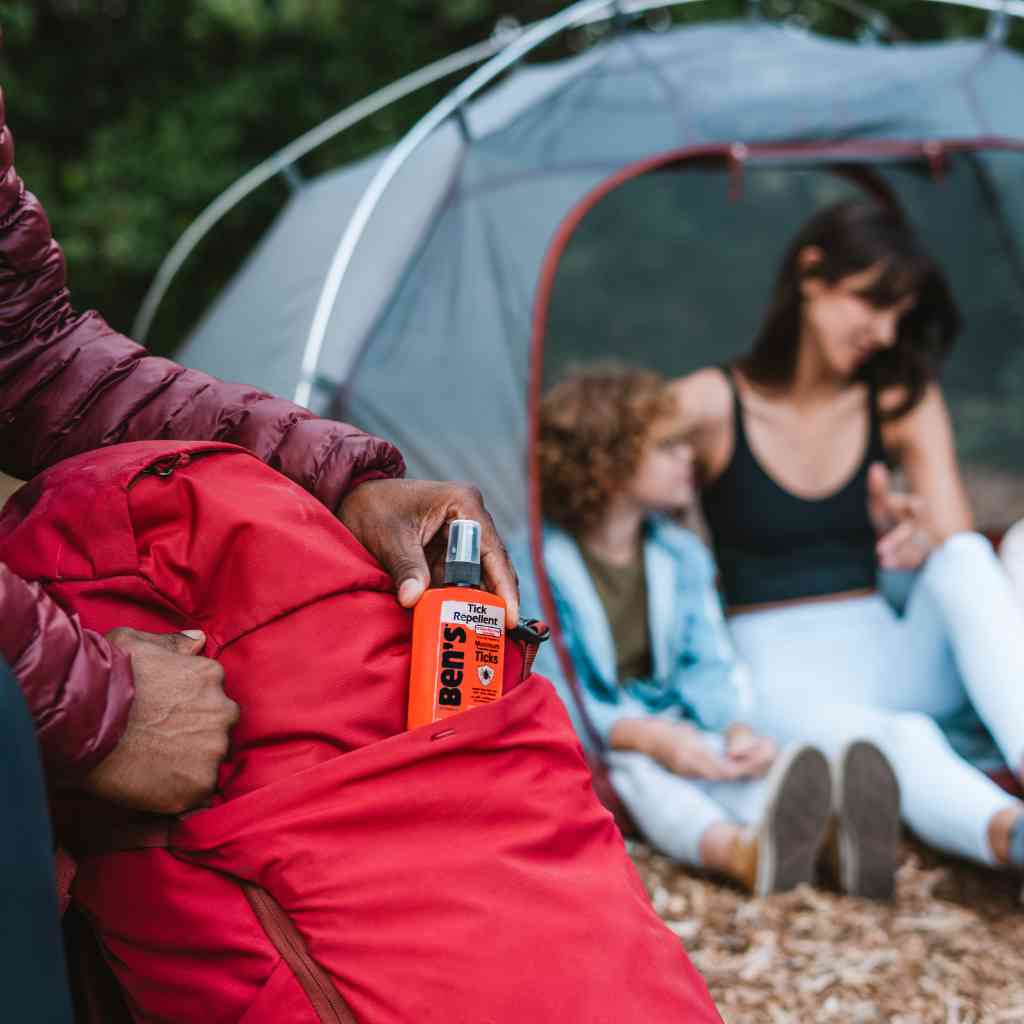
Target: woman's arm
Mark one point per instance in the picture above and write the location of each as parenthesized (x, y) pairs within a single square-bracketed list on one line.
[(922, 442), (704, 405)]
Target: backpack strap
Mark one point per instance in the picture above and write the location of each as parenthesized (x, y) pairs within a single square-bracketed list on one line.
[(529, 634)]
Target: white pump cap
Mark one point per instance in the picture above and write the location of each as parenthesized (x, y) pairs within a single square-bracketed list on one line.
[(462, 563)]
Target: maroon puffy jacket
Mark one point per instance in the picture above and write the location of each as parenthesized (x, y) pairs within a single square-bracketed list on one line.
[(69, 383)]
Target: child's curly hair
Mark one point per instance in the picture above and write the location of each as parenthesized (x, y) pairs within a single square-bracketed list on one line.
[(593, 427)]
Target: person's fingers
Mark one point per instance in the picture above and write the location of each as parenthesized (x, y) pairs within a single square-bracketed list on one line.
[(500, 578), (496, 570), (905, 506), (903, 547), (879, 495), (741, 743), (711, 765), (694, 760), (403, 558), (189, 641)]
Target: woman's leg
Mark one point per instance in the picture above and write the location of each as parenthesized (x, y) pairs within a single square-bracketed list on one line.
[(834, 672), (948, 803), (985, 627)]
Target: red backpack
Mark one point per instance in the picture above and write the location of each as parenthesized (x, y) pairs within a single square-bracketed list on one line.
[(347, 870)]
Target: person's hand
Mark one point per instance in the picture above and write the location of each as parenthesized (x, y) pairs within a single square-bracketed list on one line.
[(178, 726), (749, 754), (682, 749), (904, 542), (402, 524)]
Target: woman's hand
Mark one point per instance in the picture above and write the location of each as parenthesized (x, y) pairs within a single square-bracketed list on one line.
[(904, 542), (749, 755)]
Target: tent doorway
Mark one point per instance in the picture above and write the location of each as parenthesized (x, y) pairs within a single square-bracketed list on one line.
[(670, 265)]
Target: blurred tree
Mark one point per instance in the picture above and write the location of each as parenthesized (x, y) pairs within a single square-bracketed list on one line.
[(131, 115)]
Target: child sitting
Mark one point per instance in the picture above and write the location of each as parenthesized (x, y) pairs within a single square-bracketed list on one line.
[(642, 623)]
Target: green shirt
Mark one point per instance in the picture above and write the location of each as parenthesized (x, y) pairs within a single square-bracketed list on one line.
[(623, 593)]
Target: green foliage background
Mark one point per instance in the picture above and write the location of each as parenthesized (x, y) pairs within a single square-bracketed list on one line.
[(131, 115)]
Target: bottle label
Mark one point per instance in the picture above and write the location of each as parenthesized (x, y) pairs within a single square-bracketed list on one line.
[(471, 648)]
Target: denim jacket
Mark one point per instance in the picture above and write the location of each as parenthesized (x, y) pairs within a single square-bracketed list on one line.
[(695, 673)]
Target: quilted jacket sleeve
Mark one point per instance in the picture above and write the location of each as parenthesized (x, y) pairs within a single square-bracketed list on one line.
[(69, 383), (77, 686)]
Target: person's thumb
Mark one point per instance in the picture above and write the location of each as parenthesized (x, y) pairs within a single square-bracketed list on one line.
[(406, 564), (878, 480), (878, 494)]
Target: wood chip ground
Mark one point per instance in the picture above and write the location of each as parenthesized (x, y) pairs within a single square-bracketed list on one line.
[(949, 950)]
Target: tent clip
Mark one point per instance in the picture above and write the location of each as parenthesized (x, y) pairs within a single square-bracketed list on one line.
[(998, 26), (738, 153), (620, 17), (459, 116), (293, 176), (935, 153)]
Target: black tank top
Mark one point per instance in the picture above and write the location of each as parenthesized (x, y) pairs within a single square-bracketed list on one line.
[(772, 545)]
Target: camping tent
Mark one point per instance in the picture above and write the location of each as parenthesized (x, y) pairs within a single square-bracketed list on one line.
[(633, 201)]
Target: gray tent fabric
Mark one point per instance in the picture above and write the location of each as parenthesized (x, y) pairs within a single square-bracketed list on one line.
[(430, 341)]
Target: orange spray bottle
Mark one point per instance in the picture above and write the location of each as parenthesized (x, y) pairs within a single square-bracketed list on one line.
[(458, 636)]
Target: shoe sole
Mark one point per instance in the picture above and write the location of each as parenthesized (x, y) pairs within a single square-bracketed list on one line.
[(794, 820), (868, 807)]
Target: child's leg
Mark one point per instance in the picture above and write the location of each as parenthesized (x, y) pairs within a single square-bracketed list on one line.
[(672, 812)]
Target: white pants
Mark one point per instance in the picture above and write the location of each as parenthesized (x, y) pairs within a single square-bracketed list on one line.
[(834, 671), (673, 813)]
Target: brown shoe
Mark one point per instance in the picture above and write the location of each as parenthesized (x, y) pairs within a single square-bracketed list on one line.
[(782, 853), (867, 800)]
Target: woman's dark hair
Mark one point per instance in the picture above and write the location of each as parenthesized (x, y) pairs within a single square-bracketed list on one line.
[(853, 236)]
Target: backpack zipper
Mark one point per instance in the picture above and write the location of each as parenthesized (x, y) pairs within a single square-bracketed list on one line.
[(327, 1002), (165, 465)]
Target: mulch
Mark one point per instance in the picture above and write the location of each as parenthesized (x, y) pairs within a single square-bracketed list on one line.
[(948, 950)]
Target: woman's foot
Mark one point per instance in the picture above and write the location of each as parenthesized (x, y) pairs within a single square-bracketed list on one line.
[(867, 802), (782, 853)]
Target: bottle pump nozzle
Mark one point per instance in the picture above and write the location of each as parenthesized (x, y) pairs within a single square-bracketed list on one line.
[(462, 563)]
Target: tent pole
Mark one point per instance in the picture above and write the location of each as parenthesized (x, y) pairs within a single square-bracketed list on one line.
[(277, 163), (571, 17), (1009, 8), (352, 115), (583, 12)]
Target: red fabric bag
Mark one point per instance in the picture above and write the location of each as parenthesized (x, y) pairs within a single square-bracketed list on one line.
[(347, 870)]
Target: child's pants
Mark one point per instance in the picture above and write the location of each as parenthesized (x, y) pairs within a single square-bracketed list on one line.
[(829, 672), (672, 812)]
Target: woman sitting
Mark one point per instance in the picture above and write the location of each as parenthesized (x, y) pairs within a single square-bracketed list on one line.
[(791, 445), (659, 682)]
